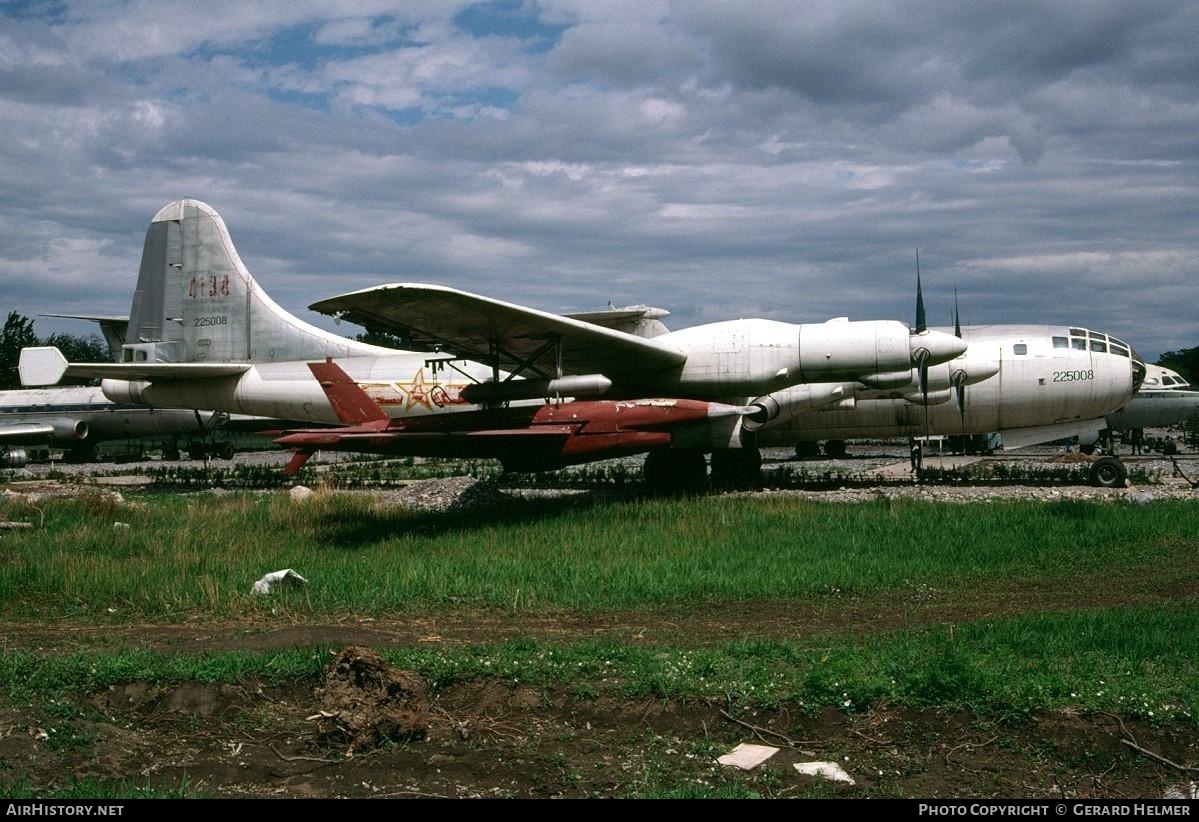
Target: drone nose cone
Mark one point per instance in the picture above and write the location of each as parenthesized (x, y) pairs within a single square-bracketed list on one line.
[(936, 346)]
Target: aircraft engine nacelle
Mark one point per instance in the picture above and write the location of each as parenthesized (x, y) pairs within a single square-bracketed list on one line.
[(934, 397), (880, 348), (890, 379), (125, 391), (65, 431), (782, 405), (755, 357), (13, 458)]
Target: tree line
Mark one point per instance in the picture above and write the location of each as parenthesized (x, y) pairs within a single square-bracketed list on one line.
[(18, 333)]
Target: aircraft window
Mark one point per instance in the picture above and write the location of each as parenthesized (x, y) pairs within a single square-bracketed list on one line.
[(1078, 332), (1061, 342), (1095, 335), (1099, 345), (1119, 342), (1078, 345), (139, 356), (1020, 348), (1123, 352), (1167, 380)]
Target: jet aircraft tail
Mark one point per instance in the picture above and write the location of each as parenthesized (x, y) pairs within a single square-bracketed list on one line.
[(195, 301)]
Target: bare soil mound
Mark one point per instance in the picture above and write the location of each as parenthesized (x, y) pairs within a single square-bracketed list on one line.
[(365, 702)]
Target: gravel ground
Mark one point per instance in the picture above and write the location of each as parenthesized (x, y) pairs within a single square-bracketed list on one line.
[(462, 492)]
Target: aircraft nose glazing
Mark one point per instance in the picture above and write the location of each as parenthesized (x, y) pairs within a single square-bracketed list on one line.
[(941, 347), (1138, 371)]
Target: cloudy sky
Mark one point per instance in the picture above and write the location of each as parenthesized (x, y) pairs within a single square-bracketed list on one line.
[(718, 159)]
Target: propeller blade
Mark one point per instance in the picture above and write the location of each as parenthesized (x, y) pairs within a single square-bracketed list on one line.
[(921, 322), (957, 319), (959, 385)]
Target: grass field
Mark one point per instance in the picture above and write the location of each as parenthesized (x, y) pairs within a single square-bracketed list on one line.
[(1004, 611), (172, 556)]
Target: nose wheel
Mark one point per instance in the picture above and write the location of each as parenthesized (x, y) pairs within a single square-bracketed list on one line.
[(1108, 472)]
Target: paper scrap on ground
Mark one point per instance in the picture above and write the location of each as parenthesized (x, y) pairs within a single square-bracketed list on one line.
[(263, 586), (829, 770), (747, 757)]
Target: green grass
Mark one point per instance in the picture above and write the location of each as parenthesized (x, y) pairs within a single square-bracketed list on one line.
[(1138, 662), (200, 554), (76, 788)]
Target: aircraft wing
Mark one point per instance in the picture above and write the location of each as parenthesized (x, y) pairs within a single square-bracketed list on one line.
[(470, 326), (45, 365)]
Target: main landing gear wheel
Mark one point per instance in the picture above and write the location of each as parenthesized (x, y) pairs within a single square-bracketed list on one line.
[(835, 449), (1108, 472), (736, 469), (676, 471), (807, 450)]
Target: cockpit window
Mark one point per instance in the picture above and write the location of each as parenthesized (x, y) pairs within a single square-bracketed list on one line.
[(1078, 345), (1099, 345), (1167, 380), (1078, 332), (1123, 352), (1114, 341), (1095, 335), (1020, 348), (1061, 342)]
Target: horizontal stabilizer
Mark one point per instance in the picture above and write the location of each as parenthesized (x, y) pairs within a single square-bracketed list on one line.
[(45, 365)]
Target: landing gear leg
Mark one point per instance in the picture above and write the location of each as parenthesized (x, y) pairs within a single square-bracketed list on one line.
[(676, 471)]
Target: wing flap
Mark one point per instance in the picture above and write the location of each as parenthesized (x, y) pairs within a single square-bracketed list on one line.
[(472, 326)]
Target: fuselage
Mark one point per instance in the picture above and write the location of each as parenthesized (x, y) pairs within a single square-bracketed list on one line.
[(403, 384), (1046, 376)]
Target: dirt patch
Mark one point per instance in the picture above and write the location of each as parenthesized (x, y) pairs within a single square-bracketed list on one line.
[(366, 702), (490, 738)]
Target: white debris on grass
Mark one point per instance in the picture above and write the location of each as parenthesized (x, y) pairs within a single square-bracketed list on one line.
[(301, 493), (1183, 790), (828, 770), (263, 586), (747, 757)]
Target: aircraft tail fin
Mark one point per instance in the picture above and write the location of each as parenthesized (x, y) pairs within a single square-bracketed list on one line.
[(352, 405), (195, 301)]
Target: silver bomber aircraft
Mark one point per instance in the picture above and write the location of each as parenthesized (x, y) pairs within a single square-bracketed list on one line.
[(1050, 382), (203, 335)]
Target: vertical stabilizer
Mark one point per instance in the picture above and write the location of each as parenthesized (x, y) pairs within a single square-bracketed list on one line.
[(196, 301)]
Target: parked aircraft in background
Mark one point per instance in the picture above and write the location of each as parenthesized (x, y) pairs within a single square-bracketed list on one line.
[(202, 334), (77, 419), (1165, 398)]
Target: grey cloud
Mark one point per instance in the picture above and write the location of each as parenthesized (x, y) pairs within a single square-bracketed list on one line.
[(624, 54)]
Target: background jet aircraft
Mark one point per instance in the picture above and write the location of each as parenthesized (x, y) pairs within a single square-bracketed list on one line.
[(1165, 398), (202, 334), (77, 419)]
